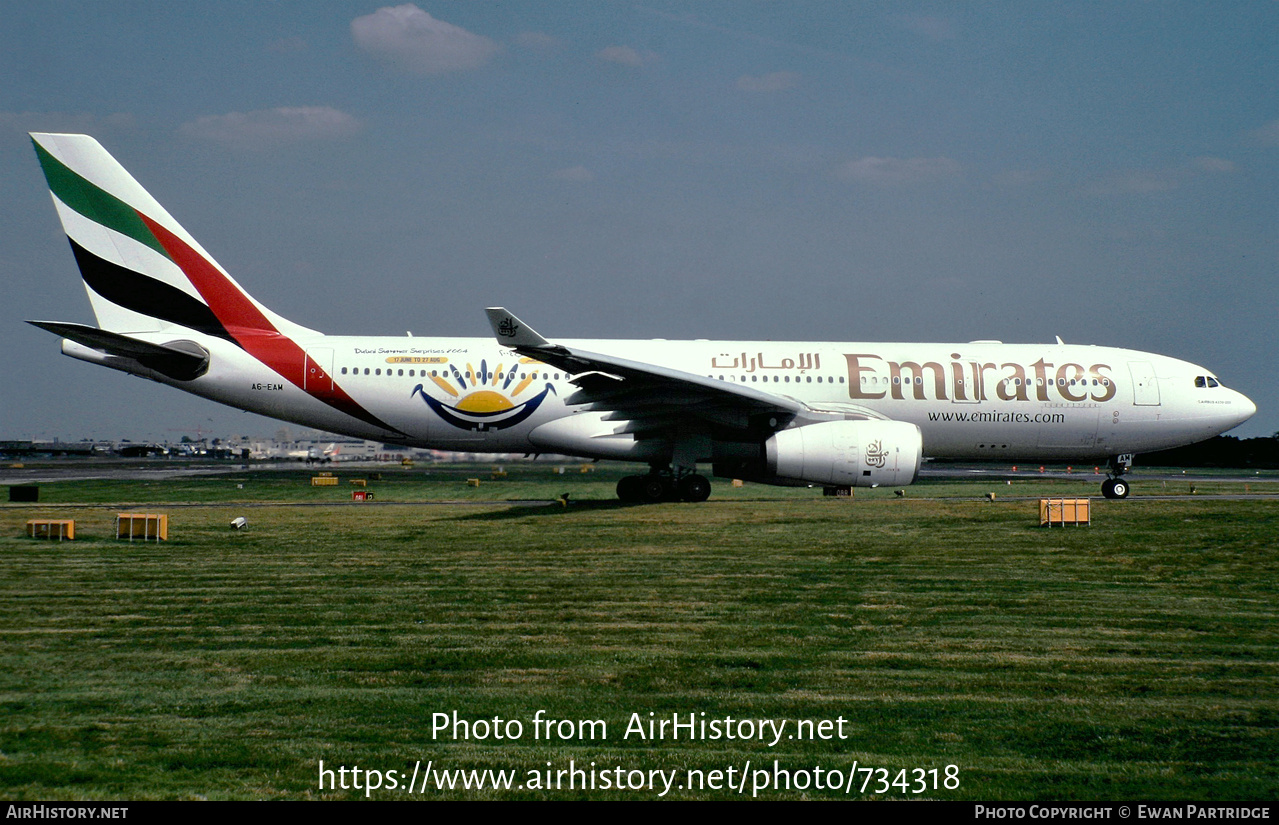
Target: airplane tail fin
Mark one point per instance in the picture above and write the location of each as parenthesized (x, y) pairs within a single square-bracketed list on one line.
[(142, 270)]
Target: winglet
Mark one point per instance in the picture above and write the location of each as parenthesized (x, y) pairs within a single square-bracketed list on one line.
[(513, 332)]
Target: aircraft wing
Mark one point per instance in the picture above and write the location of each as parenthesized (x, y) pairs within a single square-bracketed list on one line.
[(650, 400)]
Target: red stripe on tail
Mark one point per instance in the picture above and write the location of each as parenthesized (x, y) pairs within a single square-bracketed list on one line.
[(252, 330)]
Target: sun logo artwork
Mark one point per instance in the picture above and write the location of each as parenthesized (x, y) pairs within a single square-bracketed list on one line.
[(476, 402)]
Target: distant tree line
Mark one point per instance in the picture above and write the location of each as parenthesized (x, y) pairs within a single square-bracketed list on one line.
[(1222, 451)]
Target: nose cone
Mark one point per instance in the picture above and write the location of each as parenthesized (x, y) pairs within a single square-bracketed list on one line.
[(1242, 408)]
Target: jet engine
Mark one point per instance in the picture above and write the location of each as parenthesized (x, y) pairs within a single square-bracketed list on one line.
[(847, 453)]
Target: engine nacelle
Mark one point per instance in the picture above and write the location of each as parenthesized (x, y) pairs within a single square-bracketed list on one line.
[(847, 453)]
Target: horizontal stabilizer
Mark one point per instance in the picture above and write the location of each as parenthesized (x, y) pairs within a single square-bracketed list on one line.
[(182, 360)]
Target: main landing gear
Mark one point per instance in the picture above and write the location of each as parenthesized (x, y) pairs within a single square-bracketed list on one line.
[(657, 486)]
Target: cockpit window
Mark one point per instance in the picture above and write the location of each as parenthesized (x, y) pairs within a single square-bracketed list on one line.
[(1212, 382), (1205, 381)]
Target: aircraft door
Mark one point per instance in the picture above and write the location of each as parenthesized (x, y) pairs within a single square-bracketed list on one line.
[(965, 387), (1145, 386)]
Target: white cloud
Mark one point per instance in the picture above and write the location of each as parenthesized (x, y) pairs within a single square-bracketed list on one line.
[(1214, 165), (574, 174), (1135, 183), (771, 82), (625, 56), (1267, 135), (1145, 182), (899, 171), (411, 40), (1015, 178), (273, 127), (931, 28)]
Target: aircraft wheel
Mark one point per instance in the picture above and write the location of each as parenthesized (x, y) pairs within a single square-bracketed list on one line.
[(653, 488), (694, 488), (1114, 488), (630, 489)]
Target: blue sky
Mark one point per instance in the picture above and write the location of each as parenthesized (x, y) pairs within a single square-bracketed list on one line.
[(847, 171)]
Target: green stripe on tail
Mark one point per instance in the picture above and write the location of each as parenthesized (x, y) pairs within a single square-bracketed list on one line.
[(95, 203)]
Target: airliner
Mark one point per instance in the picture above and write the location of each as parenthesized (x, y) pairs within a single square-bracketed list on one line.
[(794, 413)]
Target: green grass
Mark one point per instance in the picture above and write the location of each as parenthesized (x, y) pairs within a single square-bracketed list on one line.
[(1136, 658)]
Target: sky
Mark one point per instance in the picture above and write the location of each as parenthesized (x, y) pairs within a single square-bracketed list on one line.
[(829, 171)]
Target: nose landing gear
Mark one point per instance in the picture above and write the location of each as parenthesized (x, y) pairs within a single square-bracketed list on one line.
[(1115, 486)]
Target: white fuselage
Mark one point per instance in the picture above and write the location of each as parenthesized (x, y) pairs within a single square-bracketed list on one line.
[(981, 400)]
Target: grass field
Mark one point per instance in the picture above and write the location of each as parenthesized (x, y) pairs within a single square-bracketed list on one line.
[(1134, 659)]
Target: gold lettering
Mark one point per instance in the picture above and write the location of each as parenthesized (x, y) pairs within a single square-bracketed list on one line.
[(1018, 380), (1063, 382), (971, 380), (957, 371), (854, 375), (1107, 383), (979, 386), (916, 370), (982, 383), (1041, 369)]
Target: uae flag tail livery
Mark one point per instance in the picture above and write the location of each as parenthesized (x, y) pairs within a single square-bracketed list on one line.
[(160, 299)]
